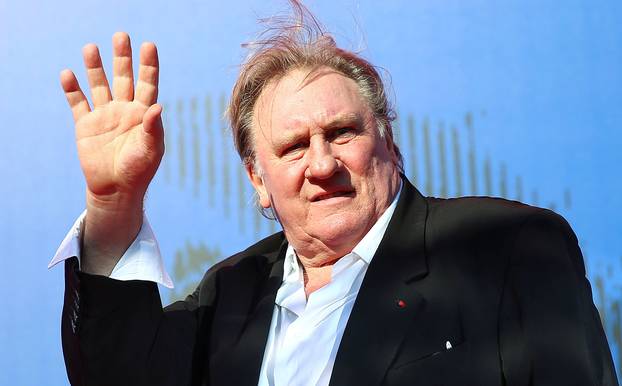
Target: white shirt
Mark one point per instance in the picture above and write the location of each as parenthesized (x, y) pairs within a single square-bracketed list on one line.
[(304, 333), (141, 261)]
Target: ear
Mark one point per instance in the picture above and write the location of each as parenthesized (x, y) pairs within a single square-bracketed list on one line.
[(258, 183)]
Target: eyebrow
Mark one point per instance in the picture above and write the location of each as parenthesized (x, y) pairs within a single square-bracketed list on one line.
[(343, 120), (340, 120)]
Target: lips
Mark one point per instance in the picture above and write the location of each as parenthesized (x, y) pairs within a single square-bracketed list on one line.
[(335, 193)]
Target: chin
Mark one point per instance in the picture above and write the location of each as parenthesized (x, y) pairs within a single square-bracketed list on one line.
[(340, 230)]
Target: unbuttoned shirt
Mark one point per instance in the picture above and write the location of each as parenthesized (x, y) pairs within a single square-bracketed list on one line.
[(305, 333)]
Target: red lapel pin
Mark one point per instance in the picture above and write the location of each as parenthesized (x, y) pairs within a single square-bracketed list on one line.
[(401, 303)]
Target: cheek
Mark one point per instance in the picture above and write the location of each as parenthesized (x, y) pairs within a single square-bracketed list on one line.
[(285, 180), (361, 160), (373, 165)]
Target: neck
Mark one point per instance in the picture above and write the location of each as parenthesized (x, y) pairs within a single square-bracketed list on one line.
[(317, 269), (316, 277)]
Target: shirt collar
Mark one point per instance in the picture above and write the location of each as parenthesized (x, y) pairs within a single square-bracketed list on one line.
[(365, 249)]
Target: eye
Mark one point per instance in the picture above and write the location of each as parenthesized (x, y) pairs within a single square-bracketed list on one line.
[(294, 149), (343, 134)]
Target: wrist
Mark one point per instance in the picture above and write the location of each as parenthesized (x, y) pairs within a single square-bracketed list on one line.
[(110, 226)]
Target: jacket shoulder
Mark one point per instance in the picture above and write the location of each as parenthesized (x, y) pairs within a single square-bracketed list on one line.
[(466, 215)]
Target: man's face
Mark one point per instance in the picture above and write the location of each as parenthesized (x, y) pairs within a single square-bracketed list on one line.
[(323, 167)]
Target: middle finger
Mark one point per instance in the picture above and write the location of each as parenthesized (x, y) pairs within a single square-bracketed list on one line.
[(123, 79)]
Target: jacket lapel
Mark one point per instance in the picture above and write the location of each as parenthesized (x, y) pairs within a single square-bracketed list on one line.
[(242, 326), (387, 302)]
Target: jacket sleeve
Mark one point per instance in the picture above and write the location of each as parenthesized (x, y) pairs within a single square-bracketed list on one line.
[(117, 333), (550, 330)]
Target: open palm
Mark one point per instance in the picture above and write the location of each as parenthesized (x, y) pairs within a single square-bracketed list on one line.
[(120, 139)]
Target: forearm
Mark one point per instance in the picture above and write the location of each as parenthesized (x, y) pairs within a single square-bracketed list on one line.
[(116, 333)]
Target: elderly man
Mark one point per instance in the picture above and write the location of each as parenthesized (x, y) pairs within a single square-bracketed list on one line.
[(369, 283)]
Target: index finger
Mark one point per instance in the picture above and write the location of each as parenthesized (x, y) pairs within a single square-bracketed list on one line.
[(147, 85)]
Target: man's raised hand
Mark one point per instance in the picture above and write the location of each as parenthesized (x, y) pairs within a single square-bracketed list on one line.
[(120, 139), (120, 143)]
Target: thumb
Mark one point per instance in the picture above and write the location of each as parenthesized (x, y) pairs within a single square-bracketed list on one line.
[(152, 125), (152, 120)]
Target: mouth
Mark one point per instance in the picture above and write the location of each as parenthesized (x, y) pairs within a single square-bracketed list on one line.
[(334, 194)]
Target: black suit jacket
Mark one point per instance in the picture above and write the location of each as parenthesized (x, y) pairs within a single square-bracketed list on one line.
[(502, 282)]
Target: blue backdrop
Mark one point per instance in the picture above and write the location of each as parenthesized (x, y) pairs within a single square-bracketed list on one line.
[(519, 99)]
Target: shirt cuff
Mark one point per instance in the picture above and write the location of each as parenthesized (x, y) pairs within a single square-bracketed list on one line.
[(141, 261)]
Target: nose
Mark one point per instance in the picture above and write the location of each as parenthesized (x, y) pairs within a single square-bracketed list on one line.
[(322, 162)]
